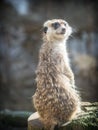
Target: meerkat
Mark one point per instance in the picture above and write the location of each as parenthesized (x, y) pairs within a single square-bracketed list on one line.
[(55, 99)]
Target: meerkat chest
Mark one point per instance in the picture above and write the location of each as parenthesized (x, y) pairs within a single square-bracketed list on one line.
[(59, 54)]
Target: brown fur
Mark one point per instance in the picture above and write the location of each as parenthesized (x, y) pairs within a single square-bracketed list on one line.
[(55, 98)]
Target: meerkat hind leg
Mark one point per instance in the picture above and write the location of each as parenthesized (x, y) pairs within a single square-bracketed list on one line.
[(50, 127), (56, 127)]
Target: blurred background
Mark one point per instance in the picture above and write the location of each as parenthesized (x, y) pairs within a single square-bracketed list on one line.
[(21, 37)]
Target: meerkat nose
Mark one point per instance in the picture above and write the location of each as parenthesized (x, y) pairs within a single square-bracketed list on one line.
[(63, 30)]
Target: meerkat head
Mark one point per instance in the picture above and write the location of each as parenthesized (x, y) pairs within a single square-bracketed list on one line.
[(56, 30)]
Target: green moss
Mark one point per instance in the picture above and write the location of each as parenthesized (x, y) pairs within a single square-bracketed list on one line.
[(86, 122)]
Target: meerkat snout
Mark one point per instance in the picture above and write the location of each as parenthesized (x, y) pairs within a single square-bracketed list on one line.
[(63, 31)]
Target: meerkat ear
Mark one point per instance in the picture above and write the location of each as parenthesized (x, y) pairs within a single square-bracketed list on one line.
[(45, 29)]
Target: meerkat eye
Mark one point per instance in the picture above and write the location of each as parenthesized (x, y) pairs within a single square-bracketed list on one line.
[(65, 24), (45, 29), (55, 25)]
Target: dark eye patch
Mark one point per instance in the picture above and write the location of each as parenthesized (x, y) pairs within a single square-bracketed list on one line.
[(45, 29), (55, 25)]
